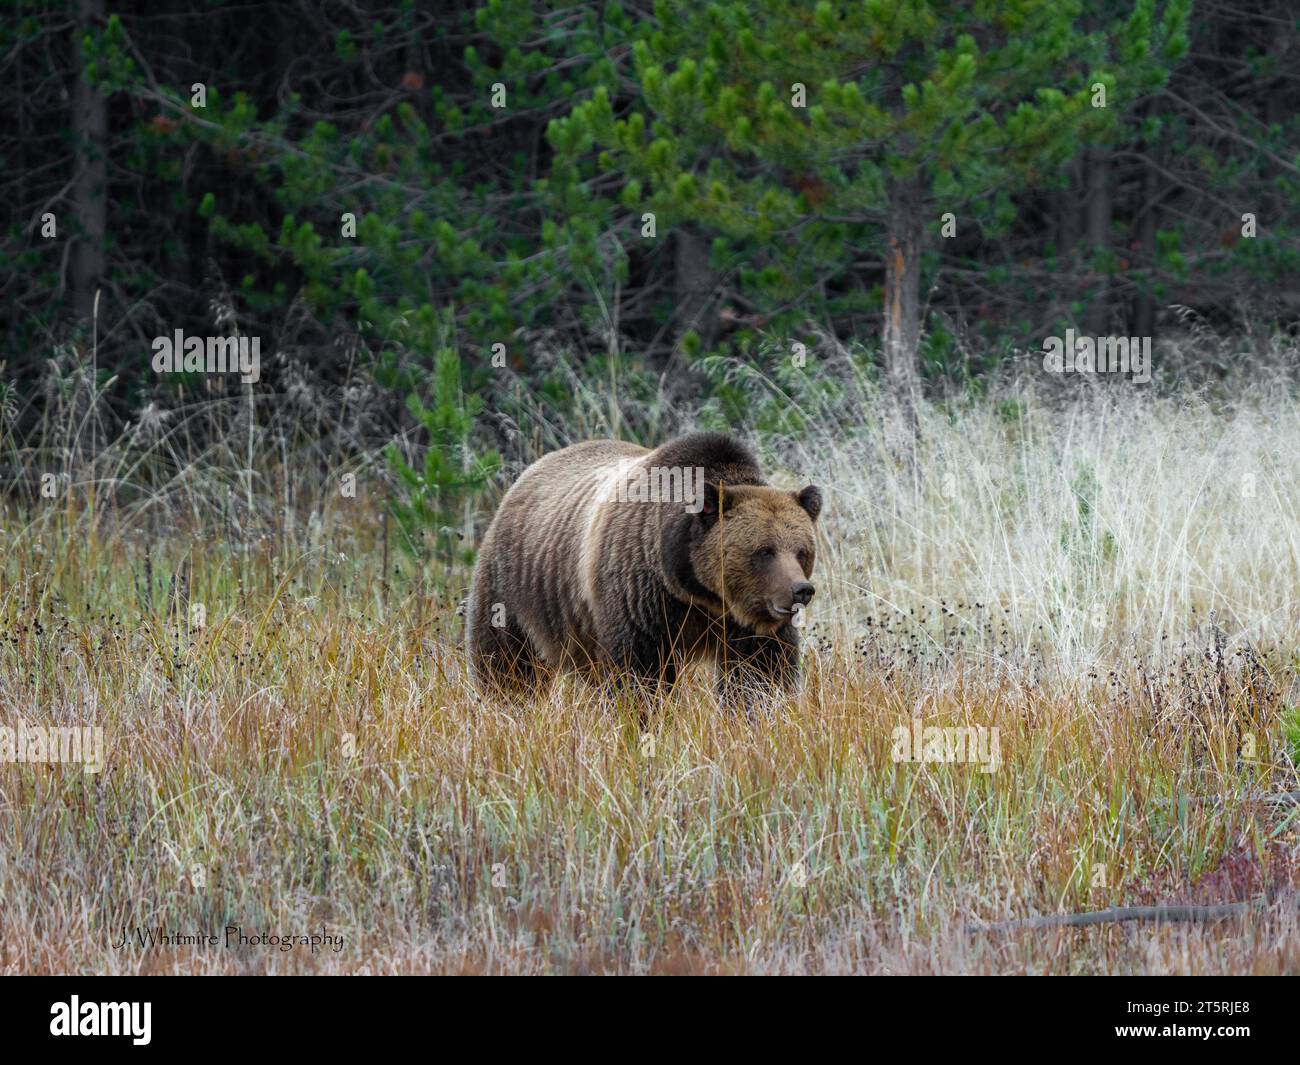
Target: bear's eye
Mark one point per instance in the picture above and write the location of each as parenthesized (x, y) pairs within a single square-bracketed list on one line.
[(763, 554), (803, 559)]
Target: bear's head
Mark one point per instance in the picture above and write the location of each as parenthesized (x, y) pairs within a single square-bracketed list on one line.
[(753, 548)]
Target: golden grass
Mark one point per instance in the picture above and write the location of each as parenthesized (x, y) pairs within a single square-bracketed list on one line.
[(312, 756)]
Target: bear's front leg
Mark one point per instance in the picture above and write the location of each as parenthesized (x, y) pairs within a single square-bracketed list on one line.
[(639, 633), (754, 667), (642, 668)]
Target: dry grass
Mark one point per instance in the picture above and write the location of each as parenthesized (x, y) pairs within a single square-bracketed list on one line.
[(1092, 581)]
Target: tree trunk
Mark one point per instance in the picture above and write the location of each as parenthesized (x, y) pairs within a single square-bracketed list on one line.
[(1067, 221), (902, 333), (1099, 216), (89, 193), (1144, 303), (695, 283)]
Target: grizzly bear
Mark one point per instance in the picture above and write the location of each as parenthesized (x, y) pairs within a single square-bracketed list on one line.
[(612, 560)]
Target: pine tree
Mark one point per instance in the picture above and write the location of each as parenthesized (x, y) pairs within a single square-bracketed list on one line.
[(803, 135)]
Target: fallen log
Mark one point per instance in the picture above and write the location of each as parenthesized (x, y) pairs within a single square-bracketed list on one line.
[(1172, 913)]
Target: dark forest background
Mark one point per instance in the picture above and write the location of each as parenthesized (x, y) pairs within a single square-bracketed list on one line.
[(444, 217)]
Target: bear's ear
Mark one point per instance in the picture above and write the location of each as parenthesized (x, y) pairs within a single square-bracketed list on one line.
[(810, 499), (714, 500)]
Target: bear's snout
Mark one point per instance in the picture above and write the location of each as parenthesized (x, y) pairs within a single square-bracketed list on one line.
[(802, 592)]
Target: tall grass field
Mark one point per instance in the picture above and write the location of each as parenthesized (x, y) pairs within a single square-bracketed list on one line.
[(1104, 579)]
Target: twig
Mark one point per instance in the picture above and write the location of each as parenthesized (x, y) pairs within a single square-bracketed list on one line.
[(1132, 913), (1275, 798)]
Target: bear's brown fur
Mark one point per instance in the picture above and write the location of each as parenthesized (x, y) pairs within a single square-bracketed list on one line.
[(570, 576)]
